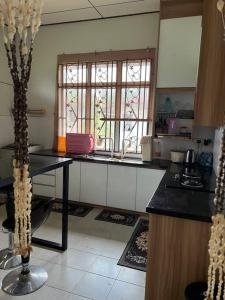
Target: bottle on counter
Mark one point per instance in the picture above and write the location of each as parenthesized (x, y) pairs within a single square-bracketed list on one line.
[(157, 149)]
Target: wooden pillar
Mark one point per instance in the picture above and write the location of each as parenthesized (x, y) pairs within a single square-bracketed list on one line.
[(177, 256)]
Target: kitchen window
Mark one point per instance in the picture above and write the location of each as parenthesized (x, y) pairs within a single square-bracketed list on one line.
[(107, 94)]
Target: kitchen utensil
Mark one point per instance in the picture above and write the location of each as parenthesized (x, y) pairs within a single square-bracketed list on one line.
[(189, 157), (185, 114), (172, 125), (177, 156), (206, 159)]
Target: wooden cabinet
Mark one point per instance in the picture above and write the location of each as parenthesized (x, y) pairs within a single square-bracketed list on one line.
[(177, 256), (121, 187), (179, 47), (74, 182), (93, 183), (147, 183), (210, 100)]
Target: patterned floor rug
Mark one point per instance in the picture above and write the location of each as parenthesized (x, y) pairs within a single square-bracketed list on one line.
[(135, 253), (74, 208), (117, 217)]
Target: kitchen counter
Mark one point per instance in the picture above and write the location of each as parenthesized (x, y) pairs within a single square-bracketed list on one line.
[(101, 159), (38, 165), (180, 226), (181, 202)]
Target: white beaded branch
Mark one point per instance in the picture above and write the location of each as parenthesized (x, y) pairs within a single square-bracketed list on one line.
[(20, 21)]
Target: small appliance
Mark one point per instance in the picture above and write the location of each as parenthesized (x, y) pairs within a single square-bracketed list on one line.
[(177, 156), (146, 145), (79, 143), (191, 178), (189, 159)]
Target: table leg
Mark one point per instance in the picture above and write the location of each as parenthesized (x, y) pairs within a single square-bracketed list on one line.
[(53, 245)]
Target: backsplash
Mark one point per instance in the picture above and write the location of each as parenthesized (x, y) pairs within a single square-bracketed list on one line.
[(216, 148), (168, 144)]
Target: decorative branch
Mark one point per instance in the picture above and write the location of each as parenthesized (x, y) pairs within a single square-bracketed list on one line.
[(20, 21), (216, 271)]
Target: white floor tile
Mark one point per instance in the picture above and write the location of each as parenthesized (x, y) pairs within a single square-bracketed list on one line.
[(124, 291), (44, 293), (132, 276), (45, 254), (62, 277), (76, 259), (76, 297), (94, 286), (106, 267)]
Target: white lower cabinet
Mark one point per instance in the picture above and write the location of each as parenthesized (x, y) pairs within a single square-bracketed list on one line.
[(93, 183), (121, 187), (45, 184), (148, 181), (74, 182), (114, 186)]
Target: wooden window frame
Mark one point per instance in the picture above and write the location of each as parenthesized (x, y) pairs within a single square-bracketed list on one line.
[(110, 56)]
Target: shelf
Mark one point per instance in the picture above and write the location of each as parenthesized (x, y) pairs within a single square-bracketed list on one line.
[(34, 112), (174, 136), (125, 119), (171, 90)]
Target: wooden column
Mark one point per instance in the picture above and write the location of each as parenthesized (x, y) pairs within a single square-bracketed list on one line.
[(210, 100), (177, 256)]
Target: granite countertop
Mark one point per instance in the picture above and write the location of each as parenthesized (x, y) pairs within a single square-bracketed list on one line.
[(101, 159), (38, 165), (184, 203), (181, 203)]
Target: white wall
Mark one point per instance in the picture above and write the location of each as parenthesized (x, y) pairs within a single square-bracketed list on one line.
[(133, 32), (6, 98)]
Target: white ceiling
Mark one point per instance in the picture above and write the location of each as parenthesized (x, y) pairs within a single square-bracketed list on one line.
[(58, 11)]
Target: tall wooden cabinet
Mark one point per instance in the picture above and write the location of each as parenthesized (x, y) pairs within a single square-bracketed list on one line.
[(210, 99)]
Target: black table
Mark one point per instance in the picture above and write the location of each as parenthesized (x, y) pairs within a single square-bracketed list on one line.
[(40, 165)]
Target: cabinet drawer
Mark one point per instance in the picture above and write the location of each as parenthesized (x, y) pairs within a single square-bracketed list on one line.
[(44, 179), (44, 190)]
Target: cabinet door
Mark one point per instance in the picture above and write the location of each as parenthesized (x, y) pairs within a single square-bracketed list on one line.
[(45, 184), (210, 103), (74, 182), (147, 182), (121, 187), (179, 48), (93, 183)]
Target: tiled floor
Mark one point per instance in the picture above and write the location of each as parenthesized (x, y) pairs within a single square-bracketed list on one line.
[(88, 269)]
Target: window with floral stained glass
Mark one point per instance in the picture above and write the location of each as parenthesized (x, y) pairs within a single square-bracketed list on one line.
[(106, 94)]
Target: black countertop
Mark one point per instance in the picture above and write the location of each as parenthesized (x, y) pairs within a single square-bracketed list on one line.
[(184, 203), (38, 165), (101, 159), (176, 202)]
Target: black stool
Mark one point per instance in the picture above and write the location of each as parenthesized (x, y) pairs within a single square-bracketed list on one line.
[(195, 291), (27, 279)]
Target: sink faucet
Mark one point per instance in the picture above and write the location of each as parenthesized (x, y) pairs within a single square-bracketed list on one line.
[(111, 144), (123, 152)]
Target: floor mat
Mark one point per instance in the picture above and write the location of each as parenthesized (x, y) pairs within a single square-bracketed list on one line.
[(115, 216), (74, 208), (135, 253)]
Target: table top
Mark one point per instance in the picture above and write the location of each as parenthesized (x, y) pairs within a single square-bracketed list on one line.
[(38, 165)]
